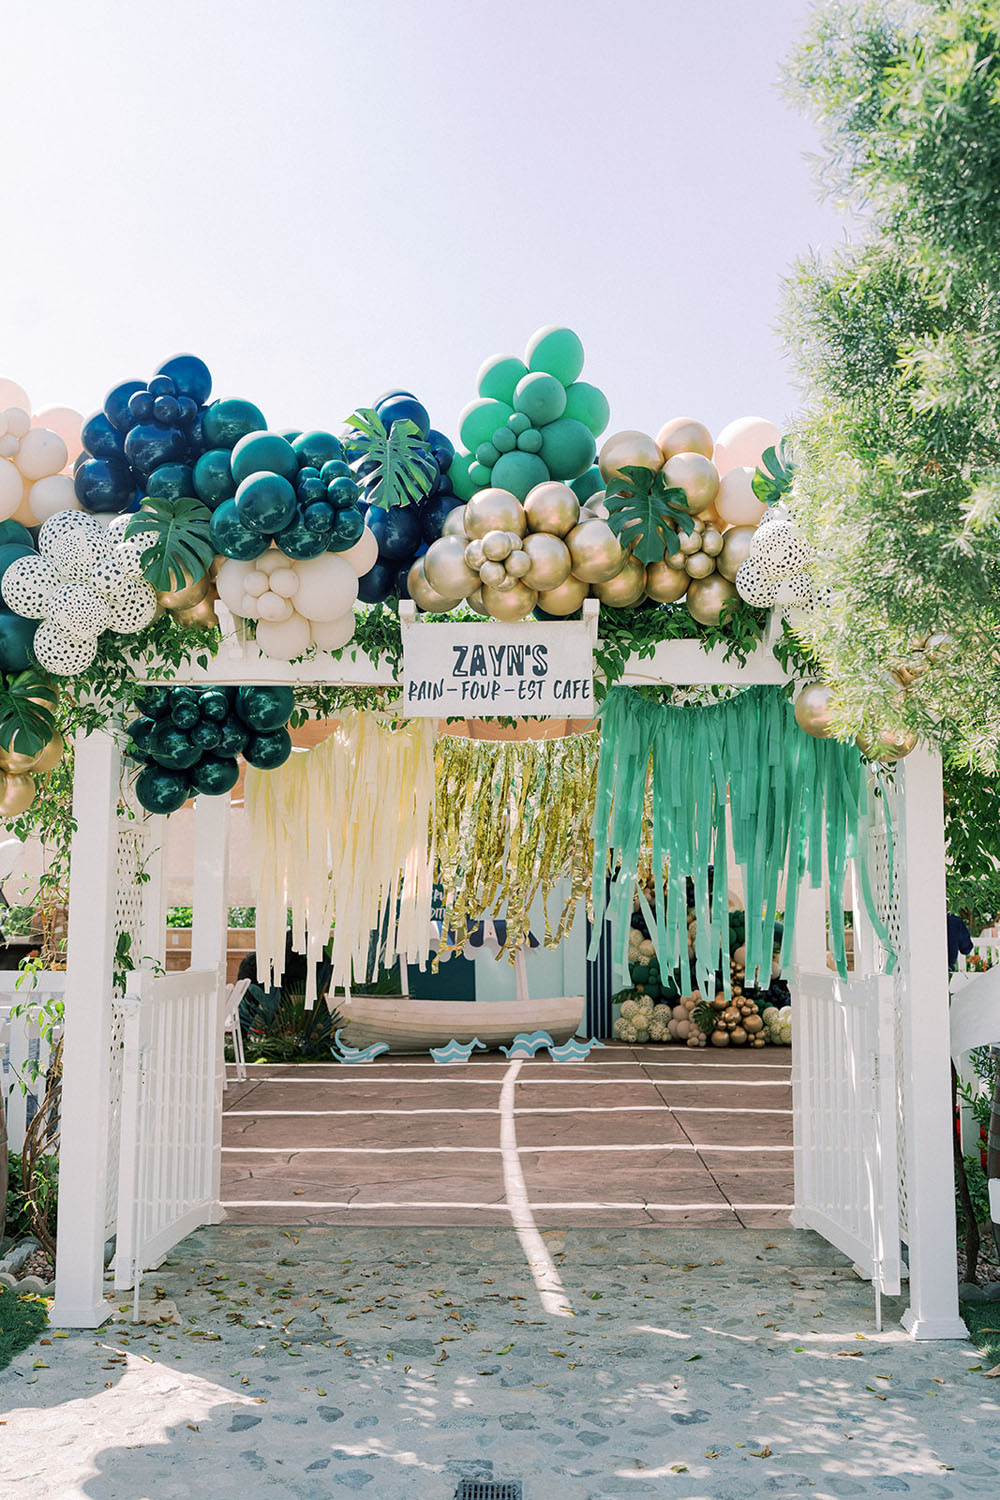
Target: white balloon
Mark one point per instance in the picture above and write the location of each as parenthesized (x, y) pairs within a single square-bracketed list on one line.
[(27, 585), (8, 446), (79, 611), (284, 639), (330, 635), (284, 581), (363, 555), (273, 558), (58, 653), (328, 587), (256, 583), (52, 494), (18, 421), (11, 487), (742, 443), (41, 454), (230, 583), (273, 607), (133, 606), (247, 608), (735, 501)]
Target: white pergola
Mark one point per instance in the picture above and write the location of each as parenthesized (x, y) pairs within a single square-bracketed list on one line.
[(873, 1159)]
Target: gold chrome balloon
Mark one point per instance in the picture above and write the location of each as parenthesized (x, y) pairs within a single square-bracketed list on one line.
[(423, 596), (677, 561), (626, 588), (192, 593), (510, 604), (566, 599), (812, 709), (595, 551), (496, 546), (552, 507), (16, 796), (707, 598), (886, 744), (518, 565), (447, 571), (475, 602), (515, 541), (474, 555), (666, 584), (495, 510), (14, 763), (507, 582), (200, 616), (696, 475), (690, 542), (684, 435), (735, 550), (51, 755), (628, 450), (491, 574), (700, 565), (550, 561), (454, 523), (711, 541)]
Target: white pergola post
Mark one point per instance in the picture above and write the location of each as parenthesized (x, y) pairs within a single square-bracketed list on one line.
[(930, 1187), (83, 1152), (209, 941)]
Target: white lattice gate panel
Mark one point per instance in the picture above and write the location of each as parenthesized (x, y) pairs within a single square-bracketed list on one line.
[(24, 1051), (844, 1099), (172, 1041)]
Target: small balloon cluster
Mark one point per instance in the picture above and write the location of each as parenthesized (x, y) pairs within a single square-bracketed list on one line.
[(776, 568), (297, 603), (85, 579), (187, 740), (18, 772), (534, 419), (35, 452)]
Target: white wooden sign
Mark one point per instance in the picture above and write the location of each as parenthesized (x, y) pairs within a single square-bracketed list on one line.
[(486, 669)]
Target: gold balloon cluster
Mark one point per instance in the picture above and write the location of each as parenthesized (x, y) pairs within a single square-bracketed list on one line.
[(812, 713), (17, 773), (507, 558), (193, 605)]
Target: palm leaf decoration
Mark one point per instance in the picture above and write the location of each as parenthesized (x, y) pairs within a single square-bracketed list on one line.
[(771, 483), (644, 512), (403, 470), (27, 718), (182, 551)]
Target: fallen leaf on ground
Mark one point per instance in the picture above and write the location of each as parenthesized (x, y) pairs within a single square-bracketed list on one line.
[(764, 1452)]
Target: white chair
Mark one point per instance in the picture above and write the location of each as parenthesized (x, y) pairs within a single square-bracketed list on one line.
[(231, 1027)]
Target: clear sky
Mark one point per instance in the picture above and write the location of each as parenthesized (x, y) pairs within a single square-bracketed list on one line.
[(327, 198)]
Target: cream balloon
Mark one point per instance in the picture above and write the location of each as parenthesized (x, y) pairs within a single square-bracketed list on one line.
[(17, 421), (274, 607), (231, 580), (285, 581), (447, 571), (11, 490), (736, 503), (271, 559), (566, 599), (550, 561), (53, 493), (330, 635), (684, 435), (740, 444), (67, 423), (41, 453), (328, 587), (12, 394), (285, 639), (364, 554), (665, 584)]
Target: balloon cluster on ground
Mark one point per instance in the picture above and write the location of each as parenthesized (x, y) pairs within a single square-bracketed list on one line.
[(35, 452), (188, 740)]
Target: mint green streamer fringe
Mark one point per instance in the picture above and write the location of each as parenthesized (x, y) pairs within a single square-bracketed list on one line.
[(790, 799)]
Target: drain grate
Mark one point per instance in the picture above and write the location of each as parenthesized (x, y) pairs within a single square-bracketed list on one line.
[(489, 1489)]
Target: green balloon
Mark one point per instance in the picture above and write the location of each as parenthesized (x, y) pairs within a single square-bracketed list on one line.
[(263, 451), (557, 351), (586, 404), (234, 737), (519, 473), (587, 484), (160, 790), (479, 419), (480, 475), (265, 502), (348, 528), (314, 449), (13, 531), (225, 422), (153, 702), (463, 486), (171, 746), (11, 551), (139, 732), (215, 775), (266, 751), (16, 638), (214, 705), (530, 441), (264, 708), (568, 448), (488, 453), (213, 478), (185, 716), (498, 376), (298, 542), (503, 440), (170, 482), (206, 735), (518, 423), (229, 536), (541, 398)]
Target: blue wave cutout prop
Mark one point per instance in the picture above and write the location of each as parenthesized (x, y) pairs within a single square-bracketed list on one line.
[(456, 1052), (346, 1054), (575, 1050), (527, 1043)]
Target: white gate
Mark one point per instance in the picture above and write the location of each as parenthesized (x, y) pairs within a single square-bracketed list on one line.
[(170, 1098), (24, 1051)]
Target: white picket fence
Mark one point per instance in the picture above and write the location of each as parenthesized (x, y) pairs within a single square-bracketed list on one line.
[(171, 1110), (24, 1051)]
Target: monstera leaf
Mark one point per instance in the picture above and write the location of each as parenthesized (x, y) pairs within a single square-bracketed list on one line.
[(403, 470), (773, 482), (27, 720), (182, 551), (643, 512)]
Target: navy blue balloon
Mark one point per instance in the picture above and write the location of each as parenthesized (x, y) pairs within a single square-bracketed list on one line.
[(104, 485), (191, 376), (166, 411), (397, 531), (140, 407), (404, 408), (148, 446), (161, 385), (100, 439), (400, 585), (378, 583), (442, 449), (187, 410), (117, 400), (432, 514)]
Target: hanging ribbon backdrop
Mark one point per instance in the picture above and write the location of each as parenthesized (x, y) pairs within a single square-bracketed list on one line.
[(791, 798)]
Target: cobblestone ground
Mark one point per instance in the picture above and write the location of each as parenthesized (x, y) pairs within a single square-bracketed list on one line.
[(623, 1362)]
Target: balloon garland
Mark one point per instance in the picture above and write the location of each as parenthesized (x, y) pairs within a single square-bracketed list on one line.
[(18, 772), (187, 740), (35, 454)]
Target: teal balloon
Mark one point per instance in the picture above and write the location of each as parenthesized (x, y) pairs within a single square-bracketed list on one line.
[(586, 404), (267, 751), (499, 375), (480, 475), (225, 422), (298, 542), (588, 483), (213, 478), (214, 705), (261, 452), (461, 482), (265, 502), (519, 473), (170, 482), (185, 716), (215, 775), (530, 441), (479, 420), (139, 732), (541, 398), (160, 790), (171, 747), (568, 448), (314, 449), (13, 531), (348, 525), (229, 536), (233, 737), (488, 453), (206, 735), (264, 708), (153, 702), (503, 440), (11, 551), (556, 351), (16, 638), (518, 423)]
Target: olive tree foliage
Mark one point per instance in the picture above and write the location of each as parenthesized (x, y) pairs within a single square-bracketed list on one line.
[(896, 336)]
